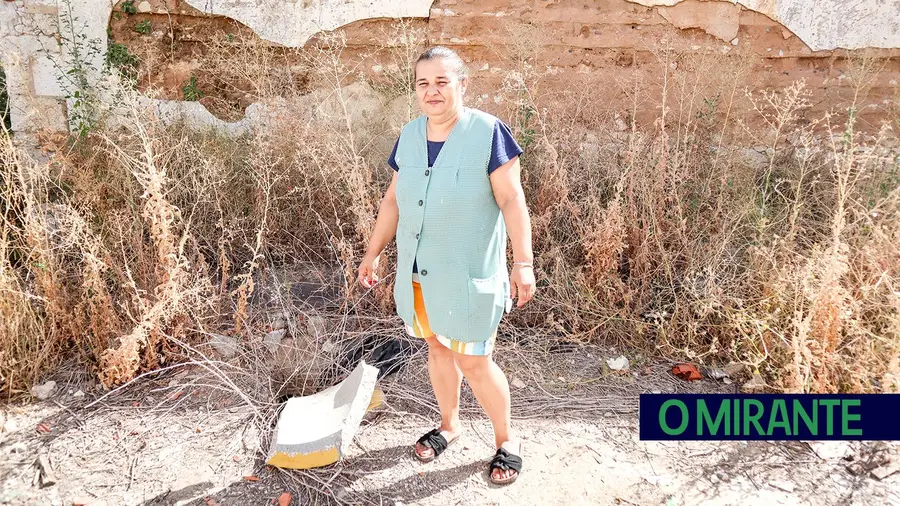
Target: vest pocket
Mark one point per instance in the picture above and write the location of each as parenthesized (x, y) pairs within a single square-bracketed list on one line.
[(486, 305)]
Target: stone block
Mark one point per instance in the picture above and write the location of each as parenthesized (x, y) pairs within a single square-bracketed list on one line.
[(8, 20), (18, 76), (41, 6), (48, 77), (30, 114), (45, 25)]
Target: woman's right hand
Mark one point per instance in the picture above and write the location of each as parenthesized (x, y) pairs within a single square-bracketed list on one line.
[(367, 268)]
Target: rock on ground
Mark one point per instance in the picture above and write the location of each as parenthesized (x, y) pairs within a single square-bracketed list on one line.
[(44, 391)]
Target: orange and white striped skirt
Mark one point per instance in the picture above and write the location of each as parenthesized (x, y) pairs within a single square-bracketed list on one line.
[(422, 330)]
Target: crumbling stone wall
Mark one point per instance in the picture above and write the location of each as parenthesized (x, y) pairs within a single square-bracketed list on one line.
[(788, 39), (821, 25)]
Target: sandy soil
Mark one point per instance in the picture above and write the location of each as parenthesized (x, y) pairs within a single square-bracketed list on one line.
[(180, 438)]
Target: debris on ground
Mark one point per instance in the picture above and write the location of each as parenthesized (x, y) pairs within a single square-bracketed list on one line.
[(517, 383), (316, 430), (870, 458), (390, 357), (144, 444), (619, 363), (734, 369), (45, 475), (827, 450), (44, 391), (316, 327), (87, 501), (225, 346), (756, 383), (714, 373), (659, 480), (786, 486), (687, 372), (886, 470), (272, 340)]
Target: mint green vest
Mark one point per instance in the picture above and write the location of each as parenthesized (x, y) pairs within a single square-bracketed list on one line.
[(451, 226)]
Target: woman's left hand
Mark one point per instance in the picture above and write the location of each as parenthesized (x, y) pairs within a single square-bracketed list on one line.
[(522, 284)]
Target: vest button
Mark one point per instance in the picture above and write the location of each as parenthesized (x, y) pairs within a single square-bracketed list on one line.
[(427, 172), (421, 202), (417, 236), (424, 273)]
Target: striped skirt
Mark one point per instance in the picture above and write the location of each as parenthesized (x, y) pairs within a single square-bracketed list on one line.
[(422, 330)]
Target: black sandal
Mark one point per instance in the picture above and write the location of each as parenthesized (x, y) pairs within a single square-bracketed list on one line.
[(436, 441), (505, 461)]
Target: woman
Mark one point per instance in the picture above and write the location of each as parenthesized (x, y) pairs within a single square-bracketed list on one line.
[(454, 196)]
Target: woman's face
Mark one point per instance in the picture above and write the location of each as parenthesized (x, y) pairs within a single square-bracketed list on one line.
[(438, 88)]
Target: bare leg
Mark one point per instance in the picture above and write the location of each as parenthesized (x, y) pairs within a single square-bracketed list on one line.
[(446, 379), (492, 391)]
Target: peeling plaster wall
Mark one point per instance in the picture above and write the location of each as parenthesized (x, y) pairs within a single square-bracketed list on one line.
[(600, 37), (37, 65), (822, 24), (318, 107), (719, 19), (292, 22)]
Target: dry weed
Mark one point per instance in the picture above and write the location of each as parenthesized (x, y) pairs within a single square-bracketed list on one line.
[(670, 222)]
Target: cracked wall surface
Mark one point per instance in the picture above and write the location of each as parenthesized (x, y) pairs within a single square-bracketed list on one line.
[(789, 39), (291, 22), (820, 24), (38, 39)]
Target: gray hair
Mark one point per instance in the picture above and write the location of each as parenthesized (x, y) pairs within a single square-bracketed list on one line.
[(453, 60)]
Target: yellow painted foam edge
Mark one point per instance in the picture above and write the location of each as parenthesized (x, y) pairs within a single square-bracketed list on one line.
[(377, 399), (321, 457), (304, 460)]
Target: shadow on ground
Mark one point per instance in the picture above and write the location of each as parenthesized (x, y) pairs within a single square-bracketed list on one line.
[(300, 484)]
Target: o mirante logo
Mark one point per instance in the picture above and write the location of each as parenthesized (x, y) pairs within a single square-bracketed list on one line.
[(769, 417)]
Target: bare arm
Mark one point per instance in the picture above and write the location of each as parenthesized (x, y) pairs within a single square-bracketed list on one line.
[(507, 186), (385, 230), (386, 223)]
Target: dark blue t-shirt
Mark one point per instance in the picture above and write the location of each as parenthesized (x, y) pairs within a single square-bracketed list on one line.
[(503, 149)]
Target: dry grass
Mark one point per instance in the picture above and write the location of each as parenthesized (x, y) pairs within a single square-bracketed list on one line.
[(666, 237), (133, 245)]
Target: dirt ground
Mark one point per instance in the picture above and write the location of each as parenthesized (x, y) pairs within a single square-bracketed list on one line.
[(185, 436)]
